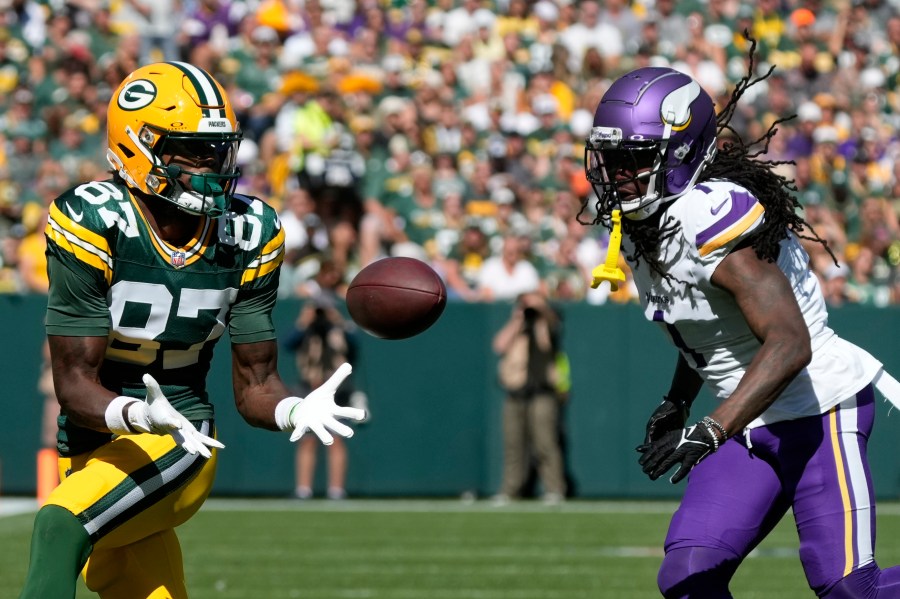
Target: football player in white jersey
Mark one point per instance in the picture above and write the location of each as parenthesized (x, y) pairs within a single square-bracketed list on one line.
[(147, 271), (711, 235)]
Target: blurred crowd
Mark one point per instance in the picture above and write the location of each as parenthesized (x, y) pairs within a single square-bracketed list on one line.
[(452, 130)]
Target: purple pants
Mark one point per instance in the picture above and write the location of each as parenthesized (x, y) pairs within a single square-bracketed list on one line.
[(817, 466)]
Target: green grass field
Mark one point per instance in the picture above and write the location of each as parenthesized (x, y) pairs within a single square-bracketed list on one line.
[(384, 549)]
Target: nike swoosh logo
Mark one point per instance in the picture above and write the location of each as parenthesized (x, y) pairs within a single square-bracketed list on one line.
[(715, 211), (76, 216)]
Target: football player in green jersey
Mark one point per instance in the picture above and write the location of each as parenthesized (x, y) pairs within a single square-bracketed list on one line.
[(147, 271)]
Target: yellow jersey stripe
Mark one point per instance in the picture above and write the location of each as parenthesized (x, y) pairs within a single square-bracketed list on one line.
[(845, 491), (733, 231), (85, 245), (269, 260), (275, 243)]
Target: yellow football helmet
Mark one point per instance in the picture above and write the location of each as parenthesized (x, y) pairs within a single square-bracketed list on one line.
[(171, 119)]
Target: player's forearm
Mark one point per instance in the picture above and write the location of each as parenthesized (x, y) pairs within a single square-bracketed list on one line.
[(75, 365), (84, 402), (257, 386), (778, 362), (686, 384)]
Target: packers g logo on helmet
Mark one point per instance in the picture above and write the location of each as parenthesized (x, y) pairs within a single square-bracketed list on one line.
[(173, 134), (137, 95)]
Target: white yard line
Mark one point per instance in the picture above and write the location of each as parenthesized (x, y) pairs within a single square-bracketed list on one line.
[(437, 505), (12, 506)]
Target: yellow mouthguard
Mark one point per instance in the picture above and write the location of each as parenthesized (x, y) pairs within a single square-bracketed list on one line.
[(609, 270)]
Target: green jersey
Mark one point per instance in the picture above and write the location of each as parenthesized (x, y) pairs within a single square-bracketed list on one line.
[(161, 308)]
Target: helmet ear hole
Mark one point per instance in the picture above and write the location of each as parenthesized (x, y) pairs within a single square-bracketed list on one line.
[(689, 156), (126, 151)]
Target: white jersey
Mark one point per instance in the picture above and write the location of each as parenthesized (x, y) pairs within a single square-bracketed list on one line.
[(705, 324)]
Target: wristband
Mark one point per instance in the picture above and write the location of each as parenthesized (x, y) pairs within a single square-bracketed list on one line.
[(283, 412), (115, 420), (712, 435), (711, 423)]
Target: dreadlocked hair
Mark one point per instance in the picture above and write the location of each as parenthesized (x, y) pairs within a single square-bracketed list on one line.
[(737, 161)]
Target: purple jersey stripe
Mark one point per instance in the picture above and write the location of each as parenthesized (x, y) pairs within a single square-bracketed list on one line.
[(742, 202)]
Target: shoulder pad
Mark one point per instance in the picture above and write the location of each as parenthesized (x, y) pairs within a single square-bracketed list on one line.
[(717, 214), (97, 206), (252, 224), (242, 204), (249, 205)]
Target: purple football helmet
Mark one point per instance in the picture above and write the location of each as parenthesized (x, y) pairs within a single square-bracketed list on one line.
[(653, 125)]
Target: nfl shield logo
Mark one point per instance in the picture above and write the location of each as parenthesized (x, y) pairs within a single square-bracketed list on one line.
[(178, 259)]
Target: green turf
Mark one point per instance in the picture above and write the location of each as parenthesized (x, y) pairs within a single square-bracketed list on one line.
[(441, 550)]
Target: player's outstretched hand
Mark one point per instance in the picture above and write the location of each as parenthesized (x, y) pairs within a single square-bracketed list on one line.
[(317, 412), (685, 447), (156, 415)]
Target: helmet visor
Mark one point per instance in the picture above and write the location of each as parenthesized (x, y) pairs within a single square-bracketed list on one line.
[(606, 166), (216, 153)]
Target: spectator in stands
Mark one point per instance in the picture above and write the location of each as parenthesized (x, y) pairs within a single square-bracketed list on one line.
[(590, 31), (509, 274), (257, 76), (673, 30), (800, 144), (566, 279), (463, 264), (211, 22), (870, 280), (305, 237), (621, 15), (418, 214), (460, 22), (32, 259), (834, 284), (379, 230), (156, 23), (476, 100)]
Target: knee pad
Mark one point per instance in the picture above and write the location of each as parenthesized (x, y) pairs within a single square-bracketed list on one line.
[(694, 572)]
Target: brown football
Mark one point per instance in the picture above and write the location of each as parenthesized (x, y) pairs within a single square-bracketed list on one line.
[(396, 298)]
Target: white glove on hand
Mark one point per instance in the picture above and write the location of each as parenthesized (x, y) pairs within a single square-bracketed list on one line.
[(157, 416), (317, 412)]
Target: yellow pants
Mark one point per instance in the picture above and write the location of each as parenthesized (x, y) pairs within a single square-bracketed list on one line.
[(130, 494)]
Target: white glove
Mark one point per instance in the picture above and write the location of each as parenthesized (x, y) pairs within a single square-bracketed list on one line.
[(317, 411), (156, 416)]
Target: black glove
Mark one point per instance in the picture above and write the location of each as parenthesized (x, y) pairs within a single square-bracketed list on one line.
[(684, 447), (668, 416)]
